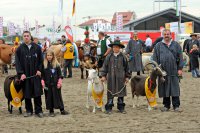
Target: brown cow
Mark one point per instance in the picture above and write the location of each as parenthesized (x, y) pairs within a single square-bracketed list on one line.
[(58, 53), (5, 55)]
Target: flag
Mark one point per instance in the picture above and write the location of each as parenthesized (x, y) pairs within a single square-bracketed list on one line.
[(60, 7), (1, 26), (178, 7), (74, 7), (69, 33)]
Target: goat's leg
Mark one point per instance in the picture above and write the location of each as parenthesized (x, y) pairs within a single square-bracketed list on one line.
[(94, 109), (87, 104), (82, 69), (133, 101), (149, 107), (103, 108), (137, 102), (9, 107), (20, 110), (86, 72)]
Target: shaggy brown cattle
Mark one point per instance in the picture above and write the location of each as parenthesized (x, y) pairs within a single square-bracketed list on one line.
[(58, 52), (5, 55), (86, 61), (7, 91)]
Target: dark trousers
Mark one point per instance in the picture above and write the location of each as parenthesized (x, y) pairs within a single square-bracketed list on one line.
[(37, 105), (175, 102), (120, 103), (138, 73), (67, 65), (5, 69)]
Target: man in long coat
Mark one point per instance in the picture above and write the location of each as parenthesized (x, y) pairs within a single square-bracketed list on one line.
[(168, 53), (115, 70), (29, 62), (134, 52)]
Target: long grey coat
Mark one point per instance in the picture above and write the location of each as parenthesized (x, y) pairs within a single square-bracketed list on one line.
[(134, 49), (171, 62), (115, 68)]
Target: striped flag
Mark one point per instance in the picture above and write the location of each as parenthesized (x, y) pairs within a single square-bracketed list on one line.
[(74, 7)]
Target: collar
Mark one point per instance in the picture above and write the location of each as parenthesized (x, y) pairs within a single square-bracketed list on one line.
[(166, 43), (116, 54), (102, 39)]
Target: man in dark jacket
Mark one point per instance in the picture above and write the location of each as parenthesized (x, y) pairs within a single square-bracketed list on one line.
[(168, 53), (29, 66), (134, 52)]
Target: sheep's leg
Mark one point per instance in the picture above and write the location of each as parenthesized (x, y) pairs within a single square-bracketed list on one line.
[(137, 102), (20, 110)]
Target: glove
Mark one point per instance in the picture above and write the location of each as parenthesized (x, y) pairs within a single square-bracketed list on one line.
[(59, 84), (43, 83)]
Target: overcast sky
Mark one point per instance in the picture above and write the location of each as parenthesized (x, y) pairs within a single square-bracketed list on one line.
[(44, 10)]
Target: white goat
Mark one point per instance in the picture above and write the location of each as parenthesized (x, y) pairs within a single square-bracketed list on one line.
[(95, 91)]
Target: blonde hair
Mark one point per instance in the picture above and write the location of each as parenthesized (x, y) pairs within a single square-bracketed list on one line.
[(54, 59)]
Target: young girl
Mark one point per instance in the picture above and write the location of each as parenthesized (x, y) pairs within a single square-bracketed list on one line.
[(52, 82), (194, 55)]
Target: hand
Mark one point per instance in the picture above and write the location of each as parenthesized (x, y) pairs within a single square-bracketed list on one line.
[(126, 80), (43, 84), (38, 73), (23, 76), (180, 72), (103, 79), (59, 86)]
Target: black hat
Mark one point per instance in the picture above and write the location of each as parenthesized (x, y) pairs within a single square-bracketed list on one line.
[(193, 34), (116, 43)]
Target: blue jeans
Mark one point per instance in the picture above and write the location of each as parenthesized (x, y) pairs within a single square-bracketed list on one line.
[(195, 73)]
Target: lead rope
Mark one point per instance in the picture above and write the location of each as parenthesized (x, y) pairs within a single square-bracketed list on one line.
[(116, 92)]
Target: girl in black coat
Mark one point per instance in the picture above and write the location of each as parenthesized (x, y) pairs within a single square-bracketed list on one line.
[(52, 82), (194, 55)]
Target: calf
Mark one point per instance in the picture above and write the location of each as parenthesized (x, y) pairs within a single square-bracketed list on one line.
[(95, 90), (141, 85), (13, 92)]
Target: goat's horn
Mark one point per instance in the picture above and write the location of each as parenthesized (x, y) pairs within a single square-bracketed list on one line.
[(152, 62)]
